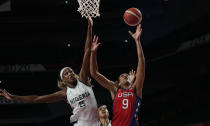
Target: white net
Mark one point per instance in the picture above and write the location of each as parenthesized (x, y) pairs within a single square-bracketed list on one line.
[(89, 8)]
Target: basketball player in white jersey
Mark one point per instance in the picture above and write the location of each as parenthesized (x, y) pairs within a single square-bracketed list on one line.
[(75, 89)]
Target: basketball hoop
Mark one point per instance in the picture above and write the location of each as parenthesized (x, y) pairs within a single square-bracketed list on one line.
[(89, 8)]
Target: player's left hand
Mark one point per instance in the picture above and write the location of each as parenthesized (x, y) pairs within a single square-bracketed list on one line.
[(95, 44), (136, 35)]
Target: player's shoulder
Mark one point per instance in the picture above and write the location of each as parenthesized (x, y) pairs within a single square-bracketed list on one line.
[(85, 84)]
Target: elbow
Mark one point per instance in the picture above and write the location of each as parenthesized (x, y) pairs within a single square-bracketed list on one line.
[(87, 50), (38, 100), (93, 73), (141, 85), (141, 60), (142, 63)]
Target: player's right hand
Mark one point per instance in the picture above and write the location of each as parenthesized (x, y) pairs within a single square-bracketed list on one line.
[(4, 93), (137, 34)]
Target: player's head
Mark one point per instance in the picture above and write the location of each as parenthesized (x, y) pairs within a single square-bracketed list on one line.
[(124, 80), (103, 112), (68, 76)]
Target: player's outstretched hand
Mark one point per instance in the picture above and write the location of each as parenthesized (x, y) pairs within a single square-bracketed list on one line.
[(136, 35), (132, 75), (4, 93), (95, 44)]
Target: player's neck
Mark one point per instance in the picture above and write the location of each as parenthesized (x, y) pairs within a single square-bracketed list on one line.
[(104, 121), (125, 86), (72, 85)]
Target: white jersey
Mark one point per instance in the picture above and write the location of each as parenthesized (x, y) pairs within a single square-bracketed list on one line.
[(109, 124), (83, 102)]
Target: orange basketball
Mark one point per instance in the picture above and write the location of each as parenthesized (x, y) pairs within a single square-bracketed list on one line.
[(132, 16)]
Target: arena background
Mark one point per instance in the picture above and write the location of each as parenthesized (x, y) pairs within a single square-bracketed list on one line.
[(39, 37)]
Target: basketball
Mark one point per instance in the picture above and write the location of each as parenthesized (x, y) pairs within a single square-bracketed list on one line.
[(132, 16)]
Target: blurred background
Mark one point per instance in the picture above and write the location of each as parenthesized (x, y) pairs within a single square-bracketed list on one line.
[(39, 37)]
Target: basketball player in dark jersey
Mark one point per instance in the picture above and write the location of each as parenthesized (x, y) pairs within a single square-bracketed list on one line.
[(125, 95)]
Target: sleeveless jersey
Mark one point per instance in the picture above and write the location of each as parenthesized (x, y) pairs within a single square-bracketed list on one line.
[(83, 102), (109, 124), (125, 108)]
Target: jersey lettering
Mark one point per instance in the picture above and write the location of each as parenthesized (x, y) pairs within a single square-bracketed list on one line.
[(79, 97), (125, 94)]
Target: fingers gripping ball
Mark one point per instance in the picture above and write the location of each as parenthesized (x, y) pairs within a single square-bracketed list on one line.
[(132, 16)]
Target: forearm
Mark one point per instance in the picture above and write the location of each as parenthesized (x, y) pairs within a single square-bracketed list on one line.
[(140, 53), (88, 38), (93, 63), (25, 99), (86, 60), (140, 75), (85, 69)]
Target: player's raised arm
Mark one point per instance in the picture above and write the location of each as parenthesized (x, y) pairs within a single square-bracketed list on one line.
[(140, 72), (102, 80), (89, 34), (85, 69), (50, 98)]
